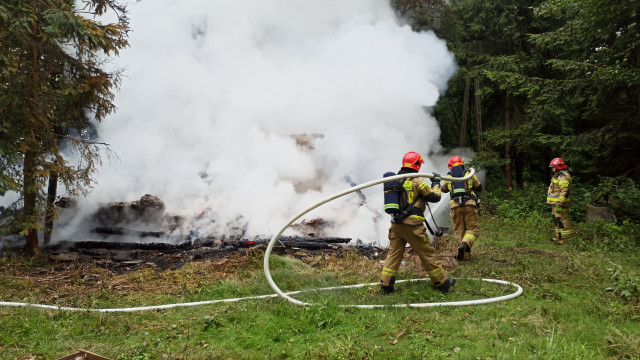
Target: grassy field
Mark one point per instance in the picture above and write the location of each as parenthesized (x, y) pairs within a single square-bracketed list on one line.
[(580, 301)]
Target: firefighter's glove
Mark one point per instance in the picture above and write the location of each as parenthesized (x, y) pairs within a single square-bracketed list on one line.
[(435, 180)]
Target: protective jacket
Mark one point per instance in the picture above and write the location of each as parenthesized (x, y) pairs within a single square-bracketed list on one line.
[(559, 192), (418, 191), (466, 197)]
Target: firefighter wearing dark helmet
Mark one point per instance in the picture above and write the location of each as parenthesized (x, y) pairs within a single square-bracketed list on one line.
[(558, 196), (464, 207), (411, 229)]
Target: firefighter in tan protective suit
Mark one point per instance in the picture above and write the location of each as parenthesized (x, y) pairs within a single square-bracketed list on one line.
[(558, 196), (411, 229), (464, 207)]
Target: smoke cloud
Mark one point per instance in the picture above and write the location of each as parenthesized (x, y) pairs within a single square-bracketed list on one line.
[(259, 109)]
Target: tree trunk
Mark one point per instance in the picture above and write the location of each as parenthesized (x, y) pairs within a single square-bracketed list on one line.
[(638, 52), (50, 211), (507, 145), (478, 117), (30, 210), (30, 190), (465, 108), (517, 162), (638, 64)]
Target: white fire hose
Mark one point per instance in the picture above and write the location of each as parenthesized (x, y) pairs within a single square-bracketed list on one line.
[(275, 287), (286, 295)]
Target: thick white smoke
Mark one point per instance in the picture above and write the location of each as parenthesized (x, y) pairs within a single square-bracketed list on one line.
[(216, 93)]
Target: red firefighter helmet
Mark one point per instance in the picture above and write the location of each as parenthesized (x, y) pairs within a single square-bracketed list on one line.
[(455, 161), (412, 160), (558, 163)]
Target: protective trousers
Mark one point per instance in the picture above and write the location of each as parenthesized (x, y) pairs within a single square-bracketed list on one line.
[(561, 217), (416, 236), (465, 224)]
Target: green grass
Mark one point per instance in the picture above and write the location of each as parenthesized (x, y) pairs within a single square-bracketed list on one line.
[(579, 302)]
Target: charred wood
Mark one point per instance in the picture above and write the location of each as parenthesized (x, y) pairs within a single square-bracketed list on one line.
[(310, 243), (149, 209), (114, 230), (328, 240), (348, 179), (114, 245)]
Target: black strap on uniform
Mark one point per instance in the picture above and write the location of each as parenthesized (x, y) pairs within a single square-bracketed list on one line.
[(438, 233), (407, 211), (428, 227)]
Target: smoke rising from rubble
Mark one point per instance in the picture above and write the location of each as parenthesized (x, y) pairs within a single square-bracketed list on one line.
[(261, 108)]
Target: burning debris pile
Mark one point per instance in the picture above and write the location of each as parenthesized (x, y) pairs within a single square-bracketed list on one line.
[(286, 242), (130, 235), (148, 210), (125, 256), (144, 225)]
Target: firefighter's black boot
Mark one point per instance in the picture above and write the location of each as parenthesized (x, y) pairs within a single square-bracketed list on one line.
[(386, 289), (464, 248), (446, 285)]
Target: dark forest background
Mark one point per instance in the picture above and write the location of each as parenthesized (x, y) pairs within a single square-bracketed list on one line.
[(538, 80)]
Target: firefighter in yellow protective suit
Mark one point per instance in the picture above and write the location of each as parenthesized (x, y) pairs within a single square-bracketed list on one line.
[(411, 229), (464, 207), (558, 196)]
